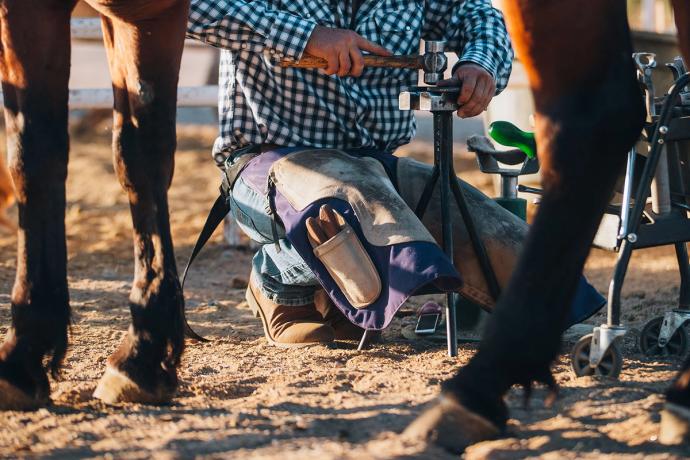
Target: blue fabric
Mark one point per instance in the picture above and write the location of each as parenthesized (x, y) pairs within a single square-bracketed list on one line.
[(587, 301)]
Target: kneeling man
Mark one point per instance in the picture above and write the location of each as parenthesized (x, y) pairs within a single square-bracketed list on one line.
[(346, 118)]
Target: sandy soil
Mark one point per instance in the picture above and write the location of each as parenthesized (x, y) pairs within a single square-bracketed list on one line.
[(240, 398)]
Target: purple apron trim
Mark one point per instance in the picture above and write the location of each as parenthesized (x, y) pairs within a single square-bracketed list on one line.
[(405, 269)]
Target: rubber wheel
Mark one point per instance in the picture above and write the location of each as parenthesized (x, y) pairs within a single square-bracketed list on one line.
[(648, 340), (610, 365)]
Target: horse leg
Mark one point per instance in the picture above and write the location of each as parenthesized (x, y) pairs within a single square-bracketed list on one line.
[(675, 418), (589, 112), (144, 41), (6, 196), (34, 64)]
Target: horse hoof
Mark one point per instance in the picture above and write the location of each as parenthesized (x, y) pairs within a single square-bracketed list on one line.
[(674, 428), (13, 398), (450, 425), (116, 387)]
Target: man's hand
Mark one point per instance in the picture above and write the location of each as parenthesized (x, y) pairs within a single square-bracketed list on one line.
[(342, 49), (478, 88)]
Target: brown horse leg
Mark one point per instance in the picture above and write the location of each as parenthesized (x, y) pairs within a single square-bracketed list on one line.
[(144, 40), (34, 63), (675, 418), (589, 113), (6, 196)]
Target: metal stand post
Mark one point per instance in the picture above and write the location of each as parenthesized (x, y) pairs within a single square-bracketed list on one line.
[(442, 111)]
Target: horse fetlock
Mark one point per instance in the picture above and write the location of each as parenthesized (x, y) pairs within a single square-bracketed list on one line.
[(23, 381), (40, 331), (157, 307)]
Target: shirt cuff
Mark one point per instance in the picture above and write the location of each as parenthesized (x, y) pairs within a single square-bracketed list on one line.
[(477, 56), (289, 35)]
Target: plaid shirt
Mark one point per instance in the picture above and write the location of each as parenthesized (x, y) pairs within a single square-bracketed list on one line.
[(262, 103)]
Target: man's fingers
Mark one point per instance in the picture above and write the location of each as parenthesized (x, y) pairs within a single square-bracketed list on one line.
[(468, 84), (333, 64), (344, 64), (373, 48), (357, 62), (477, 101), (454, 81)]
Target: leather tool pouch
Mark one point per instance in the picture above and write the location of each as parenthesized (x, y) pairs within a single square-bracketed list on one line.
[(350, 266)]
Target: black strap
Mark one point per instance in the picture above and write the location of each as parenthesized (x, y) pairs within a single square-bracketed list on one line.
[(220, 209)]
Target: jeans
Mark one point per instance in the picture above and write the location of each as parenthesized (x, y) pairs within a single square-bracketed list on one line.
[(282, 276)]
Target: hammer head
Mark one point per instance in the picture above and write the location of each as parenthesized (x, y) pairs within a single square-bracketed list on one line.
[(434, 62)]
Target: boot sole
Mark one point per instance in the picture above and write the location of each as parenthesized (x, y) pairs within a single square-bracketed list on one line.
[(255, 307)]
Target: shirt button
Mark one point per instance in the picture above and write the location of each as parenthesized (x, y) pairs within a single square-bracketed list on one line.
[(244, 46), (308, 15), (408, 28)]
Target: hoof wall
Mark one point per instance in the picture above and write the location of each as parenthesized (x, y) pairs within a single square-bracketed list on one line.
[(115, 387), (450, 425), (674, 428), (12, 398)]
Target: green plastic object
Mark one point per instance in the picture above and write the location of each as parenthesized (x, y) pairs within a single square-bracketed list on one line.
[(506, 133)]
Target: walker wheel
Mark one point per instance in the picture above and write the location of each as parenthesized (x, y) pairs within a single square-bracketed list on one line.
[(610, 365), (648, 340)]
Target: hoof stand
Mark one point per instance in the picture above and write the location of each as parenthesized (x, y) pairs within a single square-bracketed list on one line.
[(450, 425), (115, 387), (13, 398)]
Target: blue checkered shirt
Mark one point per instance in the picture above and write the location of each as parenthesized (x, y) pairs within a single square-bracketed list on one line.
[(262, 103)]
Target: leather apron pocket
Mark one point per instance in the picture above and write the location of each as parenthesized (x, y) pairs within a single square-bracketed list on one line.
[(350, 266)]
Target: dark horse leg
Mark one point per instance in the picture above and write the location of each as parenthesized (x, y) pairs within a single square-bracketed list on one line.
[(589, 112), (144, 41), (34, 64)]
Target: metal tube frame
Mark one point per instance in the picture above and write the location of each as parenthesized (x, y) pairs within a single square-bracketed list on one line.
[(635, 216)]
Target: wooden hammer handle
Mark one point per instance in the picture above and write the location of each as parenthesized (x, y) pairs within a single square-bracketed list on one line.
[(412, 61)]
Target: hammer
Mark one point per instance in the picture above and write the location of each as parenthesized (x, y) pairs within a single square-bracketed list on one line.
[(433, 62)]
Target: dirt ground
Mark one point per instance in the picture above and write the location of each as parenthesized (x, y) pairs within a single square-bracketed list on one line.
[(240, 398)]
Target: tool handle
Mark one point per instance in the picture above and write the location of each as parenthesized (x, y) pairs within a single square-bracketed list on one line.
[(412, 61)]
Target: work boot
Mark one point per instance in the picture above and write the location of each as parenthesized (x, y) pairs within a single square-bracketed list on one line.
[(288, 326), (344, 329)]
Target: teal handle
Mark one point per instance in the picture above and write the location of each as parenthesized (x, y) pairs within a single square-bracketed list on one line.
[(506, 133)]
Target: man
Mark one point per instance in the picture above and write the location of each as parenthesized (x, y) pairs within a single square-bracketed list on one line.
[(345, 106)]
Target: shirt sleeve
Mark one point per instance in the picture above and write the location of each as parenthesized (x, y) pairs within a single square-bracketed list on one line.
[(475, 31), (248, 26)]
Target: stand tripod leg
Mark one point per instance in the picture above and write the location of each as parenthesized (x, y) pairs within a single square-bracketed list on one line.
[(614, 298), (477, 243), (443, 155), (423, 203)]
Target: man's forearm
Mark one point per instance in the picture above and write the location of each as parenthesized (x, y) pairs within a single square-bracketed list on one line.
[(241, 26)]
